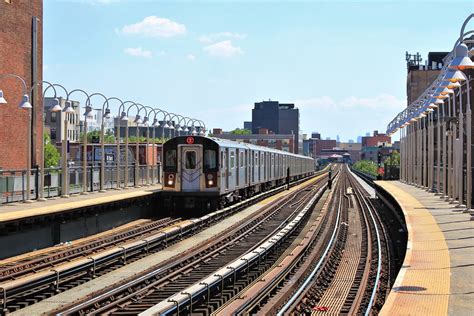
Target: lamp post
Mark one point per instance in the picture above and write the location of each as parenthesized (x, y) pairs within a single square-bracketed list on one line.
[(87, 115), (202, 128), (462, 62), (105, 114), (170, 124), (154, 124), (138, 121), (68, 111), (122, 117), (84, 154), (55, 108), (25, 105), (137, 118)]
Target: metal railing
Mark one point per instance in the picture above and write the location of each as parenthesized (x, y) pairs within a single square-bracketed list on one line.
[(13, 182)]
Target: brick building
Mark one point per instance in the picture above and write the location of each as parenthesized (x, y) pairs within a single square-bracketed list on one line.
[(19, 19), (376, 140), (419, 77), (315, 145)]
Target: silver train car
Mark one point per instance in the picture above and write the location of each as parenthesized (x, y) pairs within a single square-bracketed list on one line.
[(210, 173)]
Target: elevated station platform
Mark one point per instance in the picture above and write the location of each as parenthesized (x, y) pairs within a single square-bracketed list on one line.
[(37, 225), (23, 211), (437, 276)]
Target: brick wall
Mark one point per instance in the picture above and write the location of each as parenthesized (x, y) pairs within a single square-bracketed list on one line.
[(16, 57)]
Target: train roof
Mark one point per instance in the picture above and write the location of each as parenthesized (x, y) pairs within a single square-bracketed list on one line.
[(241, 145)]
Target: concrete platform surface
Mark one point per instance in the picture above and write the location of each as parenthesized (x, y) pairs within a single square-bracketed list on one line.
[(14, 211), (437, 276), (109, 279)]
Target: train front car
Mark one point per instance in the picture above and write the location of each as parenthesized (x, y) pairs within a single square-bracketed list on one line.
[(190, 170)]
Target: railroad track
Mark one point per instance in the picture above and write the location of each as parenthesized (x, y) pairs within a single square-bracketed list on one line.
[(29, 281), (161, 282), (339, 267)]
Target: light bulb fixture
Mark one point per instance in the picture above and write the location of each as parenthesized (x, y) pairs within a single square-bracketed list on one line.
[(56, 107)]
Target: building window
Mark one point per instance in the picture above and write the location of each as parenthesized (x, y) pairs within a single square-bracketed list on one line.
[(53, 117), (53, 134)]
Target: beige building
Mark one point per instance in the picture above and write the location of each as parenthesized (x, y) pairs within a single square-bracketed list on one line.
[(354, 149), (54, 121)]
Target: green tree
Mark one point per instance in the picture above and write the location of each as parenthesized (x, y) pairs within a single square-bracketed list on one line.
[(393, 160), (239, 131), (366, 166), (109, 137), (51, 154)]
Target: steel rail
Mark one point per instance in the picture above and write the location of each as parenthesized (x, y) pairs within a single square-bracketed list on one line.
[(305, 284), (246, 303), (379, 260)]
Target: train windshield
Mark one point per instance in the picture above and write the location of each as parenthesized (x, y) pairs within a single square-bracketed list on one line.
[(210, 159), (170, 159), (190, 160)]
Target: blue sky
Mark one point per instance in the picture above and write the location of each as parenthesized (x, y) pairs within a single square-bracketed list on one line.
[(341, 62)]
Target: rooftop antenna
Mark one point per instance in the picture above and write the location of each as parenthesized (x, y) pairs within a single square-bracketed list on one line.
[(413, 60)]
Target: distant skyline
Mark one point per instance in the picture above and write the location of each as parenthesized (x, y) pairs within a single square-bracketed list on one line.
[(341, 62)]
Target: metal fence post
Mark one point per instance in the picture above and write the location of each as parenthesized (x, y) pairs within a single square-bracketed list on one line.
[(135, 175), (102, 183), (36, 181), (92, 177)]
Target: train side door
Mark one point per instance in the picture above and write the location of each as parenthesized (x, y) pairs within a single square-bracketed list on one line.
[(191, 168), (237, 166), (227, 168)]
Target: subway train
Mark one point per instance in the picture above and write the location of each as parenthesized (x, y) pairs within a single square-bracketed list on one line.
[(206, 173)]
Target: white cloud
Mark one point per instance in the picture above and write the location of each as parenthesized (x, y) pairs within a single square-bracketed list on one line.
[(45, 67), (349, 116), (138, 52), (223, 49), (191, 57), (213, 37), (153, 26)]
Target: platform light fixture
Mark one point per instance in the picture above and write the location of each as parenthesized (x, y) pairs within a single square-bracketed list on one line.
[(124, 117), (25, 103), (461, 59), (56, 107), (68, 109)]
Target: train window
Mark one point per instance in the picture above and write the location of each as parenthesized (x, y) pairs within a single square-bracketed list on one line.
[(241, 159), (190, 160), (170, 159), (232, 159), (210, 159)]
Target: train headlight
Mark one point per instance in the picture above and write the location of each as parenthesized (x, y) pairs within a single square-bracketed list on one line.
[(211, 180), (170, 180)]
